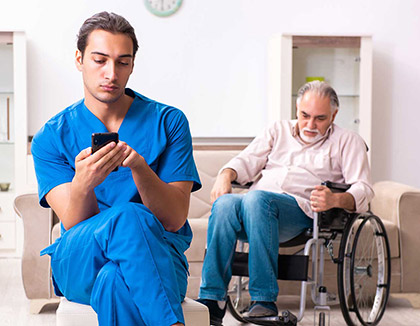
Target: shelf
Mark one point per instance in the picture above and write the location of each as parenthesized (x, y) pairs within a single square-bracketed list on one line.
[(339, 96), (4, 142), (326, 41), (9, 192)]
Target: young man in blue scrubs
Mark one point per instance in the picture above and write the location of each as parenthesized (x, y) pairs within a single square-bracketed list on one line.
[(124, 232)]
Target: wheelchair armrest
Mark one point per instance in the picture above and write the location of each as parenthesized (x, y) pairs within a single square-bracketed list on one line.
[(336, 187), (334, 218), (239, 186)]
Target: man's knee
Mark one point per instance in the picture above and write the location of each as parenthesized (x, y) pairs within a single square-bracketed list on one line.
[(225, 207), (225, 216), (258, 208), (256, 199), (129, 220), (227, 202), (129, 214), (128, 208)]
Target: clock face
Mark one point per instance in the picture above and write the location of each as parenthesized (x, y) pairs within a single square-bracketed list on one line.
[(163, 8)]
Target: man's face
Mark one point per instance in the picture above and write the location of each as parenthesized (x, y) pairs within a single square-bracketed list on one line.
[(106, 65), (314, 116)]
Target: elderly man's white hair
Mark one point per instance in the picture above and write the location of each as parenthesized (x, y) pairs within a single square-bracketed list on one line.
[(323, 90)]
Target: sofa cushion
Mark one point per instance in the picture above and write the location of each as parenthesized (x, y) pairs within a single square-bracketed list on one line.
[(75, 314), (198, 245), (208, 162)]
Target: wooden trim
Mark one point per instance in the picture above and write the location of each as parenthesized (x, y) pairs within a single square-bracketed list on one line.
[(8, 118), (227, 147), (6, 37), (221, 143), (222, 140), (326, 41), (196, 147)]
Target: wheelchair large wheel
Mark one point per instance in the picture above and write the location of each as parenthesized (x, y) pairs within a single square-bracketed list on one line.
[(364, 271), (238, 300)]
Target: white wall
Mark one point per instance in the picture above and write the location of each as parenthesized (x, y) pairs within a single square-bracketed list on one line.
[(210, 60)]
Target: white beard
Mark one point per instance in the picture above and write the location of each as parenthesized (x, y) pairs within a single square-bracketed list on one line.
[(308, 139)]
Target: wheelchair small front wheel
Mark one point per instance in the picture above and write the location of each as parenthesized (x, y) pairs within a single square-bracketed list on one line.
[(364, 272)]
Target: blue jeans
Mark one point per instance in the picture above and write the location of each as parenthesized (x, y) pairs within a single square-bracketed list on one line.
[(264, 219)]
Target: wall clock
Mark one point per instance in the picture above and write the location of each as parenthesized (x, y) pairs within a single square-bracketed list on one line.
[(163, 8)]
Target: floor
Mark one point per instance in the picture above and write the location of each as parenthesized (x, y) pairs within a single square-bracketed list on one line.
[(14, 306)]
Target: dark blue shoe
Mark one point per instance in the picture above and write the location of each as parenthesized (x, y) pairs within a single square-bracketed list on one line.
[(216, 314)]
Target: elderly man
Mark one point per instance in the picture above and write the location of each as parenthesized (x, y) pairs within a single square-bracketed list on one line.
[(292, 159)]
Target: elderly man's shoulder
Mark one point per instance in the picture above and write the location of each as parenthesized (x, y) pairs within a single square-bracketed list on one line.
[(282, 125), (344, 135)]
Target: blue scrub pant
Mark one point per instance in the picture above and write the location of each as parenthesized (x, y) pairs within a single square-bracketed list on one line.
[(262, 218), (120, 262)]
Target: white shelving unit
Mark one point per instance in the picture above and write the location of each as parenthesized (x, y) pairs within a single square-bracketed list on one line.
[(14, 135), (345, 62)]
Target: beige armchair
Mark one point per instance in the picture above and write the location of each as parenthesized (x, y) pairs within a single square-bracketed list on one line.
[(38, 224), (397, 204), (41, 228)]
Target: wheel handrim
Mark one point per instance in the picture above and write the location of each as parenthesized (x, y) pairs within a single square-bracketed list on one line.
[(370, 272), (346, 288)]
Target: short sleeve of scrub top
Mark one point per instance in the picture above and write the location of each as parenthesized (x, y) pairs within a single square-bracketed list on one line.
[(51, 167), (158, 132)]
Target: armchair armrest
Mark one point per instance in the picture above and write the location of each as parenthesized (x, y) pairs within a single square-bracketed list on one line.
[(37, 223), (237, 185), (400, 204)]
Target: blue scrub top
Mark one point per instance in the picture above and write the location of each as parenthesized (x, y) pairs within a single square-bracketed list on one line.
[(158, 132)]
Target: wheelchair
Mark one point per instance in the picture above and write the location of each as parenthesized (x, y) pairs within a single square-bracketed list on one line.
[(363, 269)]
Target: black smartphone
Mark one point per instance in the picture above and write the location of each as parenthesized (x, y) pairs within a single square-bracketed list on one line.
[(100, 139)]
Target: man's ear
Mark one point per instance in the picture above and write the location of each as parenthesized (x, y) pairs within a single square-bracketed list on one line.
[(79, 60), (333, 115)]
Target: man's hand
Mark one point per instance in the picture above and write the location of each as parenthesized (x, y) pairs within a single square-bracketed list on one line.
[(323, 199), (91, 170), (75, 201), (132, 159), (223, 184), (169, 202)]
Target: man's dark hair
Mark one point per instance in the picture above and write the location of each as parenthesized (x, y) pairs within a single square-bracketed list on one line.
[(109, 22)]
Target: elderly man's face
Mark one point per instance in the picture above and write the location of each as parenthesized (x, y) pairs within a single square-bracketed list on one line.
[(314, 116)]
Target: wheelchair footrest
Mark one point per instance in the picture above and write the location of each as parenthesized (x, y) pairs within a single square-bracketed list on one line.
[(286, 319)]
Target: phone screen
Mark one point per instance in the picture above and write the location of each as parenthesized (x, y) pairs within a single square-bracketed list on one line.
[(101, 139)]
